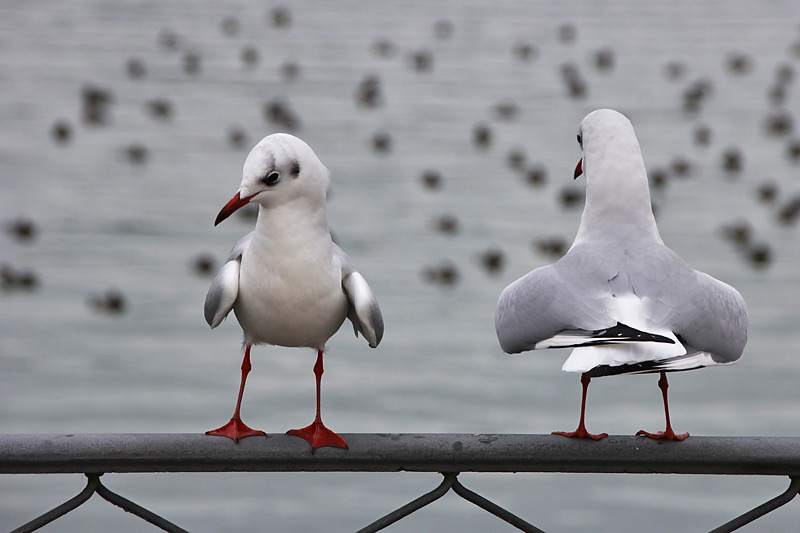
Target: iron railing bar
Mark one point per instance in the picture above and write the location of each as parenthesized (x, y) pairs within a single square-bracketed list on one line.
[(137, 510), (412, 506), (493, 508), (764, 508), (64, 508), (375, 452)]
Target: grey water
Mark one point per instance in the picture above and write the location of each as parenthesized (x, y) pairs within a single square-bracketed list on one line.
[(105, 221)]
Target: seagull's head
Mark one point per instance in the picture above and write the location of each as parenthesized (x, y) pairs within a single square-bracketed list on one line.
[(604, 129), (279, 169)]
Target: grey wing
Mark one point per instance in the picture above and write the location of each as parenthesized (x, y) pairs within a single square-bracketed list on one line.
[(225, 285), (714, 320), (563, 305), (363, 310), (540, 305)]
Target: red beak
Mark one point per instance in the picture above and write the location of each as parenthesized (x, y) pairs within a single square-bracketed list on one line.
[(232, 206), (578, 169)]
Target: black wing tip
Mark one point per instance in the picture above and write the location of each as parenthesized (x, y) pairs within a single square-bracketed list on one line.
[(624, 333)]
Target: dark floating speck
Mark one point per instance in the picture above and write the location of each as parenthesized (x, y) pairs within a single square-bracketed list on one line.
[(739, 63), (61, 131), (506, 110), (443, 29), (237, 137), (432, 179), (160, 108), (96, 101), (135, 68), (571, 76), (481, 135), (784, 73), (553, 246), (111, 302), (536, 175), (658, 178), (204, 264), (230, 26), (516, 158), (444, 273), (447, 224), (767, 192), (290, 70), (779, 123), (22, 229), (674, 70), (280, 17), (191, 62), (794, 49), (793, 149), (571, 197), (695, 95), (759, 254), (777, 94), (524, 51), (384, 48), (279, 113), (492, 260), (136, 153), (368, 92), (604, 59), (681, 166), (422, 60), (788, 212), (732, 160), (381, 142), (739, 232), (249, 56), (168, 40), (702, 135), (12, 278), (567, 33)]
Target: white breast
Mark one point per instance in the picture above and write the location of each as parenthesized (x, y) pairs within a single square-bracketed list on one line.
[(290, 293)]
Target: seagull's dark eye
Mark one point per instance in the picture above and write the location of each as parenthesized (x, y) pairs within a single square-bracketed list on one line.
[(580, 141), (271, 179)]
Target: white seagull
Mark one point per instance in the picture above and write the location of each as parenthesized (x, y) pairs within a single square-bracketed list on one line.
[(287, 282), (624, 301)]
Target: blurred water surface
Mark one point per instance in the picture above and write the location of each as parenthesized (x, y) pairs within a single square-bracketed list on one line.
[(106, 222)]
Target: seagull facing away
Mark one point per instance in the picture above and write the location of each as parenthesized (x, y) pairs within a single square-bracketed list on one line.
[(287, 282), (619, 297)]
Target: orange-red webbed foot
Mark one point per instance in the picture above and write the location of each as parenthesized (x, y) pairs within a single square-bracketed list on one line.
[(317, 436), (236, 429), (663, 435)]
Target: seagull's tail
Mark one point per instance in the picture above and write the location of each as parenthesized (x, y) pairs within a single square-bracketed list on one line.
[(688, 361)]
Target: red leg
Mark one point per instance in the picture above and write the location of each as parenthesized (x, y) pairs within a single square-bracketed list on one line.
[(581, 432), (236, 429), (316, 434), (667, 434)]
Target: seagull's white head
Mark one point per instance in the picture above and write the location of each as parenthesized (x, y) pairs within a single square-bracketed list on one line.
[(280, 169), (607, 134), (617, 191)]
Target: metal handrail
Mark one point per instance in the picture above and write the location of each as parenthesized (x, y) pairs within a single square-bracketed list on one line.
[(383, 452), (448, 454)]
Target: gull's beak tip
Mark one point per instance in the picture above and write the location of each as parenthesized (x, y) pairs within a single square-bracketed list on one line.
[(578, 169), (232, 206)]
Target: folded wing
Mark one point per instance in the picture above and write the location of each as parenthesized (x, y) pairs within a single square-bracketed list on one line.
[(363, 310), (225, 285)]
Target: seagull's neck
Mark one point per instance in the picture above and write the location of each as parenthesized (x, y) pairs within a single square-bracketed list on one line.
[(617, 197), (291, 227)]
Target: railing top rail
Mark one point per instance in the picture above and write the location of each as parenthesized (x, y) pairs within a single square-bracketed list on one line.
[(380, 452)]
